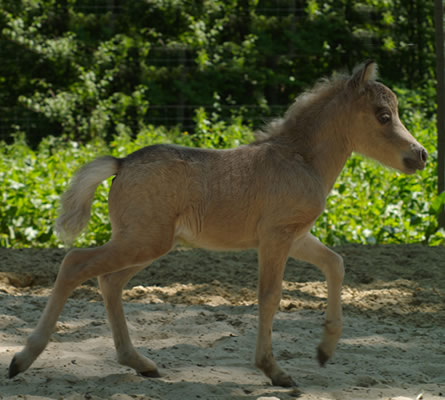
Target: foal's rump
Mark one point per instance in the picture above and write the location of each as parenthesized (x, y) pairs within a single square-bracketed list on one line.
[(153, 188)]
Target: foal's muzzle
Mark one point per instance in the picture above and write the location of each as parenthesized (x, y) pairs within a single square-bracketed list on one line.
[(415, 159)]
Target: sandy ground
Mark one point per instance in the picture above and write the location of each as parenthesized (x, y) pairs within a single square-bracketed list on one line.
[(194, 313)]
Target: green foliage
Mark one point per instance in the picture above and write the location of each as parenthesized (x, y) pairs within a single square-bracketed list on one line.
[(79, 80), (369, 203), (32, 180), (82, 70)]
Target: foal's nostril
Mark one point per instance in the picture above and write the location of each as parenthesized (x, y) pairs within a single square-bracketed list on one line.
[(423, 155), (416, 158)]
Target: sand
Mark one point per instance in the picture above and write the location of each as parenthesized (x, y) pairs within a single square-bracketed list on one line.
[(194, 313)]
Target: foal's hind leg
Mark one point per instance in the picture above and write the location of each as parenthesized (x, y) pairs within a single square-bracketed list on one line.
[(111, 286), (78, 266), (310, 249)]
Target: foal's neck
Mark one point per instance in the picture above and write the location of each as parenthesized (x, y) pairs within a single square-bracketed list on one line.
[(329, 156), (322, 137), (316, 129)]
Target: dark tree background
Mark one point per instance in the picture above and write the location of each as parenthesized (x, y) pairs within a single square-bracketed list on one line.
[(92, 68)]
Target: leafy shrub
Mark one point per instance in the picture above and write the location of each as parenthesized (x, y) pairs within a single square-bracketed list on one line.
[(32, 180), (369, 204), (70, 68)]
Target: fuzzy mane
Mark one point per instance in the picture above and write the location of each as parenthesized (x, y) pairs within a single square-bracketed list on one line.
[(305, 109)]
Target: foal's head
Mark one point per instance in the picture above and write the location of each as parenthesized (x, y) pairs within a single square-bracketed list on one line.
[(377, 131)]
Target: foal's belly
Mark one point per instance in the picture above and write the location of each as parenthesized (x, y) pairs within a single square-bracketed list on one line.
[(208, 243), (224, 236)]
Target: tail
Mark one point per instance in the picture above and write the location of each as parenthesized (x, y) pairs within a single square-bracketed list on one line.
[(76, 202)]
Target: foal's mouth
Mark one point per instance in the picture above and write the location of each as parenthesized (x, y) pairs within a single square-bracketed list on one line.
[(416, 163)]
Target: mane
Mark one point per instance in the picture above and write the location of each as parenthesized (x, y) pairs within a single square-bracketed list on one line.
[(304, 111)]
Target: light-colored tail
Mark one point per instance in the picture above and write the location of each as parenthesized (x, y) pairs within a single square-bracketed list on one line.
[(76, 201)]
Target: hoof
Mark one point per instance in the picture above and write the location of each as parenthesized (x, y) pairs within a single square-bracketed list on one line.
[(284, 381), (322, 357), (150, 374), (13, 369)]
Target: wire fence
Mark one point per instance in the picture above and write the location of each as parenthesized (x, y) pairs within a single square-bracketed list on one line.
[(168, 115), (281, 8), (17, 117)]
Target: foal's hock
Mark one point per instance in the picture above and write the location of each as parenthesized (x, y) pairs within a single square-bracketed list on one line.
[(265, 195)]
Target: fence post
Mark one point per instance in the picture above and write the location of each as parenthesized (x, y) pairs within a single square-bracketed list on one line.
[(440, 74)]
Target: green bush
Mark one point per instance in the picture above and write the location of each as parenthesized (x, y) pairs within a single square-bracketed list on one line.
[(369, 203), (77, 69), (32, 180)]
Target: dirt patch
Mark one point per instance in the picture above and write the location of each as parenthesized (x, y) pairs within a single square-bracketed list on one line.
[(394, 306)]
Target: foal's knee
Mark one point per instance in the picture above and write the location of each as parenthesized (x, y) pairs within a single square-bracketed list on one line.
[(337, 268), (113, 284), (340, 268), (72, 270)]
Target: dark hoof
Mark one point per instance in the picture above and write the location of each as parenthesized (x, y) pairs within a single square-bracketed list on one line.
[(322, 357), (150, 374), (13, 369), (284, 381)]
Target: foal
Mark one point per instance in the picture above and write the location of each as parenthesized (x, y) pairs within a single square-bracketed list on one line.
[(264, 195)]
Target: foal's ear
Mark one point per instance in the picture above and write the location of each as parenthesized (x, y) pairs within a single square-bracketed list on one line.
[(364, 73)]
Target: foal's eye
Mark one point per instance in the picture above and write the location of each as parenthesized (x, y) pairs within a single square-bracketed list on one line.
[(384, 118)]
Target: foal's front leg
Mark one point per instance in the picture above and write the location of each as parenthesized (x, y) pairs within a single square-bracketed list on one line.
[(310, 249), (272, 259)]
